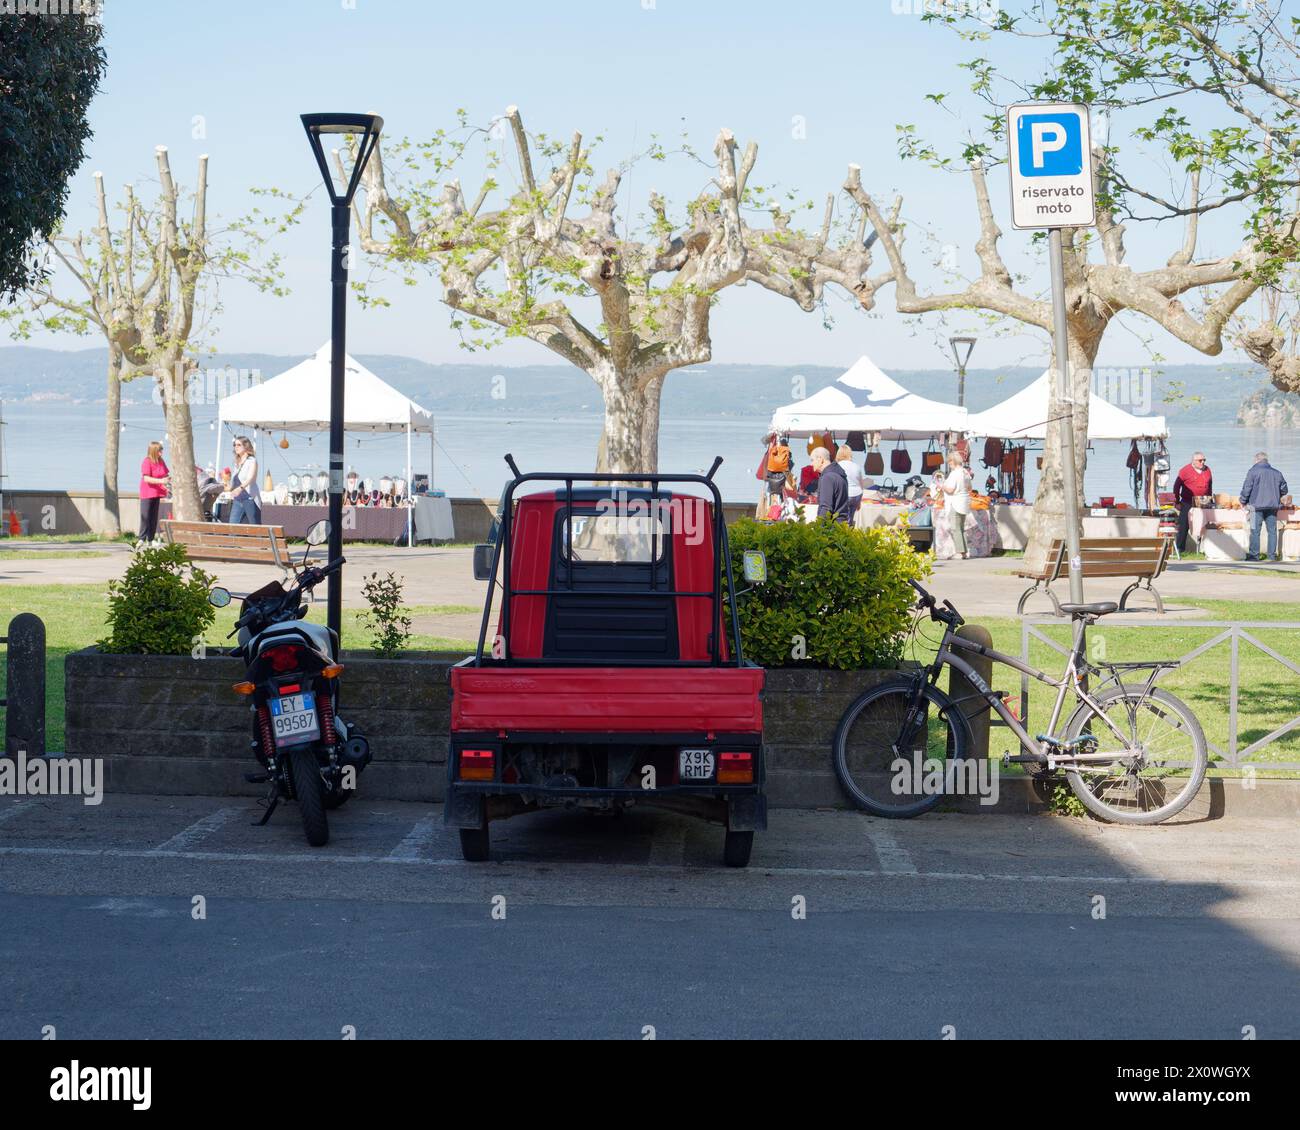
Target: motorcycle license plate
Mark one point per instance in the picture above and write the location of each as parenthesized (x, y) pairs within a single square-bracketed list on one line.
[(294, 720), (695, 765)]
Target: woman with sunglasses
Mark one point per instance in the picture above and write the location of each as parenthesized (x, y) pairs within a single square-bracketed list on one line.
[(245, 499)]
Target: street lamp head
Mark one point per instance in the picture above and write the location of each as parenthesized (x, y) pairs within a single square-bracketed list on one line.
[(958, 344), (365, 126)]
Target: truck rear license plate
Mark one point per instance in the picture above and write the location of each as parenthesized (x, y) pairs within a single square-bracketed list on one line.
[(293, 718), (695, 765)]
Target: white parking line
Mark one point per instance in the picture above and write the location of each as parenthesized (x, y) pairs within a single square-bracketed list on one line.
[(894, 858), (197, 832), (754, 871), (16, 809), (408, 850)]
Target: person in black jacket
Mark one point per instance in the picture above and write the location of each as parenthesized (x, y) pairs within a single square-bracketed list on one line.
[(832, 486), (1262, 492)]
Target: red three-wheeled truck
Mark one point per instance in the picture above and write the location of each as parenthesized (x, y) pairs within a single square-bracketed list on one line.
[(616, 675)]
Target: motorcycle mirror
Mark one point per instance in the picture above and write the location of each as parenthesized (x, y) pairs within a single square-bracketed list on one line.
[(755, 566), (219, 597), (319, 533)]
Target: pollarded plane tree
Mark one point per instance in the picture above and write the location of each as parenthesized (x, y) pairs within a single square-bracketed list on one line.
[(144, 281), (526, 266), (1201, 87)]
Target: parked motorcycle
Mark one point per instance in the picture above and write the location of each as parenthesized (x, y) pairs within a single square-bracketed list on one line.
[(307, 752)]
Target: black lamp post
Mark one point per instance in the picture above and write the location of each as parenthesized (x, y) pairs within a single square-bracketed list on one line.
[(958, 344), (367, 127)]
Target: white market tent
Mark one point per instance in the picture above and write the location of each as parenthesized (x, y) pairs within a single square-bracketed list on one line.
[(864, 399), (1025, 416), (298, 400)]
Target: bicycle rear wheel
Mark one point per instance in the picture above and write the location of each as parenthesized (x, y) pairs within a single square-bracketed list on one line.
[(888, 747), (1161, 777)]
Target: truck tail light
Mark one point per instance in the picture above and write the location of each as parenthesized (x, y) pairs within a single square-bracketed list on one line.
[(735, 768), (477, 765)]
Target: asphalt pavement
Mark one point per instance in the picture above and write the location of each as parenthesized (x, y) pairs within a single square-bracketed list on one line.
[(172, 917)]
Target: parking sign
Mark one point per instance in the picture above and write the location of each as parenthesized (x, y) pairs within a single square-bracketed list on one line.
[(1051, 166)]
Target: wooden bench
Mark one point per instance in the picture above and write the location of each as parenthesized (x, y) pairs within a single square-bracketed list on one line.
[(1142, 558), (219, 541)]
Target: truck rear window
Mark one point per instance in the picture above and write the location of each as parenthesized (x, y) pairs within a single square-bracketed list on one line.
[(612, 538)]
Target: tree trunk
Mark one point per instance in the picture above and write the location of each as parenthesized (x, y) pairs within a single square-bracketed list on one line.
[(1048, 521), (180, 444), (650, 424), (630, 438), (112, 444)]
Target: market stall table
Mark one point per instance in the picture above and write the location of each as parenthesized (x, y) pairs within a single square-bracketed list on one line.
[(1223, 533), (981, 535), (360, 523)]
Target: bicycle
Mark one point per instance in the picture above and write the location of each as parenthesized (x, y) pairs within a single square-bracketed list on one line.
[(1133, 754)]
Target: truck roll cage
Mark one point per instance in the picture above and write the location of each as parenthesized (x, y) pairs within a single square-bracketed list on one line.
[(721, 551)]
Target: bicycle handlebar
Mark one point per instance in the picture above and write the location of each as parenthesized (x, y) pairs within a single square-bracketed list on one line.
[(947, 614)]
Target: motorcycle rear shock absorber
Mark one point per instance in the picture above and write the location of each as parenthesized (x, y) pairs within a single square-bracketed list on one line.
[(328, 733), (266, 751)]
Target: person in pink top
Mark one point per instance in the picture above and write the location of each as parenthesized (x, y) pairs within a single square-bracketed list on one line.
[(154, 481)]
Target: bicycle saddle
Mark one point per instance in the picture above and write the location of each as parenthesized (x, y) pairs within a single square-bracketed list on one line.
[(1100, 608)]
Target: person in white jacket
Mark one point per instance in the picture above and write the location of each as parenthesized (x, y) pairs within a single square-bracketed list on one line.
[(245, 498), (956, 504)]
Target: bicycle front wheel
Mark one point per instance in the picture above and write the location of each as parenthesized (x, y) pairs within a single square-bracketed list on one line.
[(892, 747), (1157, 768)]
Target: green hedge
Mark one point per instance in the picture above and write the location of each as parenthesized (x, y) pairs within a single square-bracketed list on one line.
[(834, 596)]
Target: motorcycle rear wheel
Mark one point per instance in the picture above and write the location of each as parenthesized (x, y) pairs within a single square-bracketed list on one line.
[(309, 790)]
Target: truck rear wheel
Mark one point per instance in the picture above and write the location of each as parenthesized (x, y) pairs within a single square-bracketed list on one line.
[(736, 849), (474, 844)]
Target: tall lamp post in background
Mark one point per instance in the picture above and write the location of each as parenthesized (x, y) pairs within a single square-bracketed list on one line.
[(958, 343), (366, 127)]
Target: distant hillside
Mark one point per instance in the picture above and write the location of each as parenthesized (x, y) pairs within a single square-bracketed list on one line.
[(1191, 393)]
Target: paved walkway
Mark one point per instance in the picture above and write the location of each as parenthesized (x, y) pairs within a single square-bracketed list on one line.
[(980, 588)]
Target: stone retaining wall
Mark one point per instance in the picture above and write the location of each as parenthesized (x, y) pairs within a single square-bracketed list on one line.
[(171, 724)]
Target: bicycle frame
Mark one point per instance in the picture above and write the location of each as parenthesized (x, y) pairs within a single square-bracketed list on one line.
[(1076, 671)]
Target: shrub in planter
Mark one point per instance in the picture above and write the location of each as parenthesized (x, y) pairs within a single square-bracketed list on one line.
[(160, 606), (834, 596)]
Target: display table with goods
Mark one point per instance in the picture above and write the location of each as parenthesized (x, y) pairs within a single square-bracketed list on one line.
[(982, 536), (1222, 532)]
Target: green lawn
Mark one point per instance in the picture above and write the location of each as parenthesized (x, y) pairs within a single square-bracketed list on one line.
[(1268, 695), (75, 617)]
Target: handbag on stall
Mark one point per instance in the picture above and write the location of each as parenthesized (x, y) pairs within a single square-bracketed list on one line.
[(856, 441), (874, 464), (993, 452), (931, 460), (900, 462)]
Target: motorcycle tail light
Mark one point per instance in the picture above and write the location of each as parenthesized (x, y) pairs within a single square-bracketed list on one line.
[(283, 658), (333, 671), (244, 688), (735, 768), (290, 688), (477, 765)]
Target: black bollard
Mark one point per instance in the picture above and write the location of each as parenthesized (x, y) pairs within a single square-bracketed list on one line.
[(25, 687)]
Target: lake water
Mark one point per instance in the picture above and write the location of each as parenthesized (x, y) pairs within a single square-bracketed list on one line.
[(60, 446)]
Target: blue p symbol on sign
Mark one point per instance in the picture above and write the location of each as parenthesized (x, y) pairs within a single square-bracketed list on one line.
[(1049, 145)]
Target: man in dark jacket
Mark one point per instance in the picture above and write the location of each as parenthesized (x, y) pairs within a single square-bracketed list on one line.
[(832, 486), (1262, 492)]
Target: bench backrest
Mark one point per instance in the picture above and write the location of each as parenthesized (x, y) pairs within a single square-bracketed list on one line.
[(1112, 557), (219, 541)]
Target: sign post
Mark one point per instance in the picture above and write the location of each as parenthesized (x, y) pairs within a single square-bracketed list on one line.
[(1052, 187)]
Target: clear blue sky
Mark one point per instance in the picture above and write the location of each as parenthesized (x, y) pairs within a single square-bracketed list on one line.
[(621, 68)]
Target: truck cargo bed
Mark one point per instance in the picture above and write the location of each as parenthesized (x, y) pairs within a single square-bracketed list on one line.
[(607, 699)]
